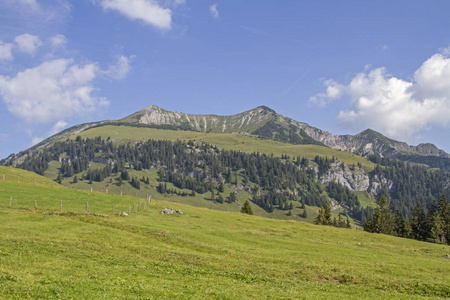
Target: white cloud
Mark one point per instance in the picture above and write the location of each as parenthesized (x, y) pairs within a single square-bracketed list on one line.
[(397, 107), (58, 41), (334, 91), (121, 68), (148, 11), (52, 91), (28, 43), (213, 10), (57, 127), (5, 51)]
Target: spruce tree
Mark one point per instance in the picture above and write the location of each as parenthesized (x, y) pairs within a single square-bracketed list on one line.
[(247, 208), (418, 222), (324, 216), (399, 224), (382, 220)]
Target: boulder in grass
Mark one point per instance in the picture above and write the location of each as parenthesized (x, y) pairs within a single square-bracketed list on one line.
[(167, 211), (448, 256), (170, 211)]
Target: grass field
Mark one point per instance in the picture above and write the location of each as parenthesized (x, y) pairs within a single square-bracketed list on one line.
[(109, 187), (202, 254)]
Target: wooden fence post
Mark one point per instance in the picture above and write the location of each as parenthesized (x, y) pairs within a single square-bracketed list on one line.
[(87, 206), (107, 191), (60, 206), (35, 204), (120, 193), (10, 202), (91, 189), (112, 209)]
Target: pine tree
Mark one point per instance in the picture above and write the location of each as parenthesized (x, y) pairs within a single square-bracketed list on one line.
[(418, 222), (444, 211), (348, 225), (382, 220), (324, 216), (399, 224), (247, 208), (220, 198)]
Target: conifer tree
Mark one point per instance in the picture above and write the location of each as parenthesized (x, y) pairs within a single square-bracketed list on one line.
[(247, 208), (382, 220), (418, 222), (399, 224), (324, 216)]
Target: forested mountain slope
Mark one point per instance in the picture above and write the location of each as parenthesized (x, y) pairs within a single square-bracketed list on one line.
[(265, 122)]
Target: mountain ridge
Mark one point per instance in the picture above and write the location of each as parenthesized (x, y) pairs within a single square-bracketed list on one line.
[(365, 143), (265, 122)]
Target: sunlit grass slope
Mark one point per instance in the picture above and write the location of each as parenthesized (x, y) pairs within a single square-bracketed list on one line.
[(243, 142), (21, 176), (202, 254)]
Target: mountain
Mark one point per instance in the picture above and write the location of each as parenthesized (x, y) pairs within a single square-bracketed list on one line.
[(265, 122), (224, 157)]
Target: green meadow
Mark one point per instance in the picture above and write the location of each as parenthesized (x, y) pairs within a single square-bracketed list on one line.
[(46, 253)]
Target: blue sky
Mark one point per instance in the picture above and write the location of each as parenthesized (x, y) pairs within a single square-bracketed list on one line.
[(342, 66)]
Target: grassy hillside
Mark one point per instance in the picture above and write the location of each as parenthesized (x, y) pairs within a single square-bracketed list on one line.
[(22, 176), (200, 254), (243, 142), (109, 186)]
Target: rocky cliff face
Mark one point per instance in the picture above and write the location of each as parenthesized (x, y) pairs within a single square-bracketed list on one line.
[(355, 179)]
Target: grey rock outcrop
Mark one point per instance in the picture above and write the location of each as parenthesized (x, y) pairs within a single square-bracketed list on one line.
[(356, 179)]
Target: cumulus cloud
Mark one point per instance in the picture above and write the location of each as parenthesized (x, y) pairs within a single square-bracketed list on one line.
[(148, 11), (52, 91), (28, 43), (213, 10), (58, 41), (396, 107), (5, 51), (121, 68), (333, 92), (57, 127)]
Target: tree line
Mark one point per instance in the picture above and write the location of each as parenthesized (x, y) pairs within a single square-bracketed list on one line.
[(432, 224)]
